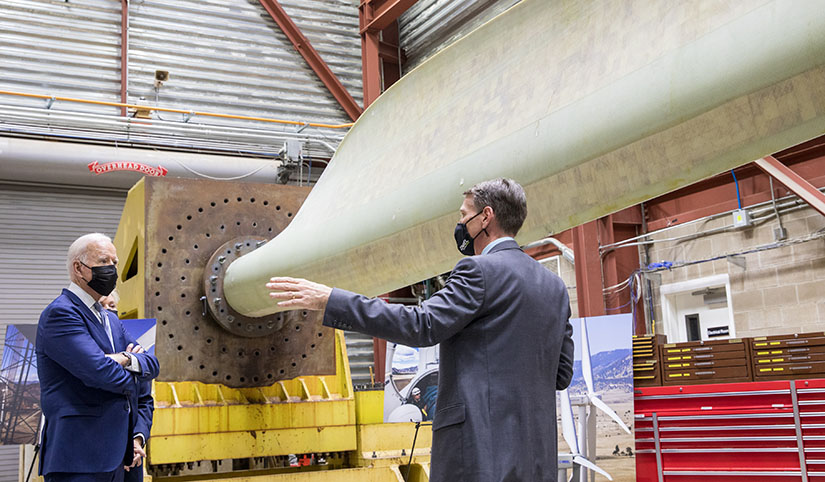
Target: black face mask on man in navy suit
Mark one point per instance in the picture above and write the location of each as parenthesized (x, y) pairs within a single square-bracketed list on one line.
[(104, 278)]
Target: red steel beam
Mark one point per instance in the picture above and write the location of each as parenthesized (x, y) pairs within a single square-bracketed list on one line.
[(713, 195), (793, 181), (588, 270), (379, 360), (379, 29), (389, 53), (383, 14), (370, 66), (124, 53), (610, 269), (312, 57)]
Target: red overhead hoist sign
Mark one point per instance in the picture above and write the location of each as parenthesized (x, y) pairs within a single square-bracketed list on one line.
[(98, 168)]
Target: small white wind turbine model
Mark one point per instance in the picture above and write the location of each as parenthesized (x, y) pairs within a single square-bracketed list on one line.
[(568, 431)]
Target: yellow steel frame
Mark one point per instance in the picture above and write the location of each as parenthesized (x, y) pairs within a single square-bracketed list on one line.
[(194, 421), (130, 242)]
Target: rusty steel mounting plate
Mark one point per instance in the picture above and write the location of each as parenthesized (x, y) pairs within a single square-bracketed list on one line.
[(186, 222)]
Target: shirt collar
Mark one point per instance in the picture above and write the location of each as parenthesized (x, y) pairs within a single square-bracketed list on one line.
[(84, 297), (494, 243)]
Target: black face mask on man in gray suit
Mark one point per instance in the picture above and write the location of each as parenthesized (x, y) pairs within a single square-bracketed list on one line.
[(463, 240)]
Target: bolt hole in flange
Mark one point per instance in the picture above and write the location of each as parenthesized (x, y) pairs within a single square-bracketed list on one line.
[(221, 312)]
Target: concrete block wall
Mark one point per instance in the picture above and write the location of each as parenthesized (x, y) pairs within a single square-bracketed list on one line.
[(780, 290)]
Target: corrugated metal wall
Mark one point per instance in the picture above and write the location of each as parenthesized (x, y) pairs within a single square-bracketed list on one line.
[(9, 463), (61, 48), (38, 227), (361, 357), (223, 56), (230, 56), (430, 25)]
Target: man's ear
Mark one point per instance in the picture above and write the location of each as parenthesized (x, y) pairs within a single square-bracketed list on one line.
[(489, 214)]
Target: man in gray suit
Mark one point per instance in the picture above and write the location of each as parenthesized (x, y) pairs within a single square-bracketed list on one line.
[(506, 345)]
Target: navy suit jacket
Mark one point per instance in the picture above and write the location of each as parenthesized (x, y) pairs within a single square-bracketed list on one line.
[(506, 347), (92, 405)]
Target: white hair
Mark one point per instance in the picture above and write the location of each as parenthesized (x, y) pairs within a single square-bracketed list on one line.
[(80, 247)]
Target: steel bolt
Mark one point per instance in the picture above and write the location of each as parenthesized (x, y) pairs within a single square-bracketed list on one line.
[(217, 301), (213, 279), (238, 246), (222, 259)]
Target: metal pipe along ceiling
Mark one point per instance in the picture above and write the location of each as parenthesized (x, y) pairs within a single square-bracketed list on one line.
[(588, 111), (66, 163)]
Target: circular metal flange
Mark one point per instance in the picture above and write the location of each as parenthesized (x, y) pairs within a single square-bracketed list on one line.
[(215, 302), (187, 220)]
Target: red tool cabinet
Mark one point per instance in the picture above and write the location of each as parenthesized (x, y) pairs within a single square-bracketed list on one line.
[(731, 432)]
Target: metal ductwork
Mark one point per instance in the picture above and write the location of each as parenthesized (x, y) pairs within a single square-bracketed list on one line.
[(48, 162)]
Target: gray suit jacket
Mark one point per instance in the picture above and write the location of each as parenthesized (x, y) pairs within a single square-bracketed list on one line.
[(506, 347)]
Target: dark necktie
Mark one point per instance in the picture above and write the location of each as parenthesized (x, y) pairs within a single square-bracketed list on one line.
[(104, 319)]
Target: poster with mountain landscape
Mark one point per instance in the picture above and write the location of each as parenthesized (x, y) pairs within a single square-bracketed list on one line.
[(610, 345)]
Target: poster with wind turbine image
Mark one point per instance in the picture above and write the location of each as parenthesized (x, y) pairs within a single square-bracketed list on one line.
[(595, 413)]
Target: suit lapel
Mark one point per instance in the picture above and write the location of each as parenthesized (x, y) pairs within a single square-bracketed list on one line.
[(93, 324)]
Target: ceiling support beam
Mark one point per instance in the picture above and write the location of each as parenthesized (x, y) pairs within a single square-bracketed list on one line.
[(793, 181), (380, 63), (316, 63), (383, 13)]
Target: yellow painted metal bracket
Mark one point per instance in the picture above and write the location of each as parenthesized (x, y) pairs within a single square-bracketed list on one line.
[(130, 242), (197, 421)]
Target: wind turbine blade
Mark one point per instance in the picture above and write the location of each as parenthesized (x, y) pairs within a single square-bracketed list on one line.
[(578, 459), (568, 424), (609, 411), (587, 369)]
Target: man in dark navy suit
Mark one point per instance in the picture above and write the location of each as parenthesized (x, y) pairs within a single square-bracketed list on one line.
[(506, 346), (92, 376)]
